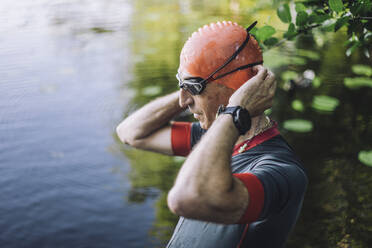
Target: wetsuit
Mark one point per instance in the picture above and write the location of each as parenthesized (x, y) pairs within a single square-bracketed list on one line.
[(276, 183)]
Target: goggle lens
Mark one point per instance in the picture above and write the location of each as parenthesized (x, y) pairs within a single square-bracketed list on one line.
[(192, 85)]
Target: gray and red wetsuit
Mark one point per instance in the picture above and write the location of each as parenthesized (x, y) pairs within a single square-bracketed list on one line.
[(276, 183)]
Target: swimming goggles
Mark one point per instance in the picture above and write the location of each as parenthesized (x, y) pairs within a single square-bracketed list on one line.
[(196, 85)]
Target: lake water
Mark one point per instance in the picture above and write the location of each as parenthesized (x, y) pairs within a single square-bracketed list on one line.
[(70, 71)]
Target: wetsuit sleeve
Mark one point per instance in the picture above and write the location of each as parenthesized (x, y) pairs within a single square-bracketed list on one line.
[(181, 138), (273, 185), (184, 135), (256, 197)]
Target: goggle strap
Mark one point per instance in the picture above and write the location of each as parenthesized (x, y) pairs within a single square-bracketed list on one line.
[(238, 69), (235, 53)]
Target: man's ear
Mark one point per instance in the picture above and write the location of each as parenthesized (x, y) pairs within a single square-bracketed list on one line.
[(226, 91)]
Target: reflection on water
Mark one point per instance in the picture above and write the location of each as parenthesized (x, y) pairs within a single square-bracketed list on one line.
[(337, 207), (60, 100)]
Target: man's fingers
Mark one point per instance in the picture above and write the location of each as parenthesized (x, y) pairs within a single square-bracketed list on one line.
[(272, 83), (257, 68), (270, 76), (261, 73)]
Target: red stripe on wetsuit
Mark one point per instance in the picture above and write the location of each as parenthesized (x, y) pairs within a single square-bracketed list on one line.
[(181, 138)]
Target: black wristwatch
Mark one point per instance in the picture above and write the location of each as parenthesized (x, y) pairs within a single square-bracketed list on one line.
[(241, 117)]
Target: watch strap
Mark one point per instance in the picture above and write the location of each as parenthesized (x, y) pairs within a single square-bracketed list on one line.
[(227, 110), (230, 110), (234, 111)]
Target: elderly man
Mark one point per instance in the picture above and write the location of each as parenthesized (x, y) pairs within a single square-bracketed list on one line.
[(241, 184)]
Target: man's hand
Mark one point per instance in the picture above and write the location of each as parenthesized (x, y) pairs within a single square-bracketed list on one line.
[(256, 95)]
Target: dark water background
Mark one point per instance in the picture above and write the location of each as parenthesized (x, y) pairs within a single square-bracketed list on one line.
[(71, 70)]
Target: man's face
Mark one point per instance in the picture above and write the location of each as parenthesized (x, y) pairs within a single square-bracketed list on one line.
[(204, 106)]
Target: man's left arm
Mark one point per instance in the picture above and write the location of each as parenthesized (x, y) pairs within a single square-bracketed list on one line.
[(205, 187)]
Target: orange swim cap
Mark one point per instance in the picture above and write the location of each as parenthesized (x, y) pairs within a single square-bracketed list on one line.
[(212, 45)]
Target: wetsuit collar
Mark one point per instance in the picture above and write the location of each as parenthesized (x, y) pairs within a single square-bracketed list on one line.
[(260, 138)]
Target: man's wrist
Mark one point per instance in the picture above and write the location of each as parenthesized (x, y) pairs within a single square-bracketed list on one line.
[(241, 117), (229, 119)]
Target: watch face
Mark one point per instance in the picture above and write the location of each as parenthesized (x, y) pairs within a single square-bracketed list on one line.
[(243, 119)]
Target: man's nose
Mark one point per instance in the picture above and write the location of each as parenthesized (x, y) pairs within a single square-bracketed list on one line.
[(185, 98)]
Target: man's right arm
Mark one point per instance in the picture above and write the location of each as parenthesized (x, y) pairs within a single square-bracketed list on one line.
[(149, 127)]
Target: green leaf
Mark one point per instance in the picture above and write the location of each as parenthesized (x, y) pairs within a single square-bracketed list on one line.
[(288, 75), (341, 22), (317, 82), (253, 31), (360, 8), (300, 7), (274, 59), (298, 125), (336, 5), (325, 103), (291, 32), (357, 82), (268, 111), (301, 18), (363, 70), (308, 54), (365, 157), (284, 13), (318, 18), (353, 47), (265, 32), (329, 26), (271, 41), (297, 60), (298, 105)]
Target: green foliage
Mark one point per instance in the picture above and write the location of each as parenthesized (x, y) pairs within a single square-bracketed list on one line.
[(308, 54), (317, 82), (329, 16), (336, 5), (358, 82), (298, 105), (300, 7), (341, 22), (298, 125), (271, 41), (268, 111), (318, 18), (363, 70), (265, 32), (365, 157), (288, 75), (284, 13), (291, 32), (325, 103), (301, 18)]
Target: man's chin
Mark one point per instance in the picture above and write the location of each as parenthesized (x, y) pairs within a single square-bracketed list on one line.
[(204, 125), (202, 121)]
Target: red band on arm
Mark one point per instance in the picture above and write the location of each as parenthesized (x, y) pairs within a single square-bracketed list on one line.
[(181, 138), (256, 197)]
